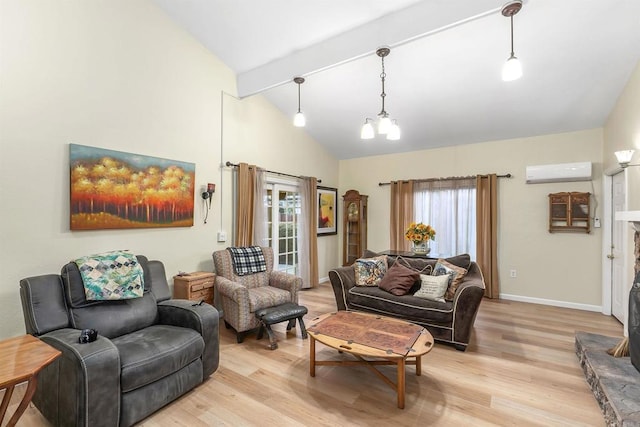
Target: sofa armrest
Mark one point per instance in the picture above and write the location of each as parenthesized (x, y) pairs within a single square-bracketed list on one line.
[(82, 387), (342, 279), (287, 282), (202, 318), (466, 303)]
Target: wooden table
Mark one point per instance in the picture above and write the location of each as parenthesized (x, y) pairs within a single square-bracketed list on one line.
[(21, 359), (363, 335)]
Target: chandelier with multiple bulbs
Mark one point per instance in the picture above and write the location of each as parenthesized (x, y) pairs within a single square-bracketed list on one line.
[(512, 70), (386, 126)]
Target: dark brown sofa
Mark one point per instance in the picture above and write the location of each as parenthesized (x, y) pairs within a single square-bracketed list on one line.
[(449, 321)]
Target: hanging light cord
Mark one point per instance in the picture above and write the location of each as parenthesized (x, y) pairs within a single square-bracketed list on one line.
[(382, 95), (299, 95), (512, 54)]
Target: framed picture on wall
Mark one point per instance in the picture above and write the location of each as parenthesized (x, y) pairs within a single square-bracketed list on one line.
[(327, 211), (114, 189)]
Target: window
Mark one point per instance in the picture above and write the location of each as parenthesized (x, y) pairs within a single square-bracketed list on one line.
[(449, 206), (282, 225)]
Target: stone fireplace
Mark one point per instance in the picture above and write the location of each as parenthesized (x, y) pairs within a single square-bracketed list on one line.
[(615, 381)]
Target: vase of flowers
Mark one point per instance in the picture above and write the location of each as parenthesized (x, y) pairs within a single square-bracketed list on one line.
[(419, 235)]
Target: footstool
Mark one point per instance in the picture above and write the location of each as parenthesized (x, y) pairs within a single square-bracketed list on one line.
[(288, 311)]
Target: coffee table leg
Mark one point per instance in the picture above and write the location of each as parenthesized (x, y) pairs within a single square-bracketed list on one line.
[(401, 383), (418, 365), (312, 356)]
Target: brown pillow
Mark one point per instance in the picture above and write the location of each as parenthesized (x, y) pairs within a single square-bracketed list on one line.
[(463, 260), (399, 279)]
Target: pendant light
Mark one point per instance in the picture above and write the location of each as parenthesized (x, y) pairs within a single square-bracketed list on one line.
[(385, 125), (512, 69), (299, 119)]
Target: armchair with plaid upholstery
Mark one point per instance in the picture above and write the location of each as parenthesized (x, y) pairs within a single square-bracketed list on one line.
[(243, 295)]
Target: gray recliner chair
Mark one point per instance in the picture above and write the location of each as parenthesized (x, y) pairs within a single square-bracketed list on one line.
[(149, 350)]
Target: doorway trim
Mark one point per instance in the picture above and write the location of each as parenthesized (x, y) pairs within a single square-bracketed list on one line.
[(606, 239)]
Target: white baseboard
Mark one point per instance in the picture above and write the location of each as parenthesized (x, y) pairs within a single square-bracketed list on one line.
[(323, 279), (565, 304)]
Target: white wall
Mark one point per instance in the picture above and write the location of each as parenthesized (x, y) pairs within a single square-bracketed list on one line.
[(622, 132), (558, 268), (120, 75)]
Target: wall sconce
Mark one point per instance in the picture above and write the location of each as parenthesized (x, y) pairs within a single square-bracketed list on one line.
[(208, 195), (624, 157)]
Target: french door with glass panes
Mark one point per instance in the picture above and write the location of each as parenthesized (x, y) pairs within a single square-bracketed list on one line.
[(283, 213)]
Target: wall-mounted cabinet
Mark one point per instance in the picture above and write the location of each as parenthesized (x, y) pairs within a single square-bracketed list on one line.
[(569, 212)]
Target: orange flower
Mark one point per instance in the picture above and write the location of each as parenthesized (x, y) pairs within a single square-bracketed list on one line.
[(418, 232)]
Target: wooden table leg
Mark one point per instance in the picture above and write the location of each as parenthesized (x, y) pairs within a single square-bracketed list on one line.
[(8, 392), (31, 389), (418, 365), (312, 356), (401, 384)]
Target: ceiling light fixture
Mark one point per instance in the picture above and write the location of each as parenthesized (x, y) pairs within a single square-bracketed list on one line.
[(299, 119), (624, 157), (385, 125), (512, 69)]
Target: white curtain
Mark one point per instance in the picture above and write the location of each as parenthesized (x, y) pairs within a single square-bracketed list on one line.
[(260, 219), (449, 206)]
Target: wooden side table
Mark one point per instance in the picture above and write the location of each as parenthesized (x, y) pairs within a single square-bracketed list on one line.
[(196, 286), (21, 359)]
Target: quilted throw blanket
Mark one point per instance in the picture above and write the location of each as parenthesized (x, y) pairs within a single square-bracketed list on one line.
[(247, 260), (113, 275)]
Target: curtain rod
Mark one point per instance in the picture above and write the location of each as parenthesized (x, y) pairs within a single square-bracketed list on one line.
[(448, 178), (235, 165)]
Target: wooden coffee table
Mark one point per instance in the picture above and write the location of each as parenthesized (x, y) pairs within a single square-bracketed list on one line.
[(21, 359), (368, 336)]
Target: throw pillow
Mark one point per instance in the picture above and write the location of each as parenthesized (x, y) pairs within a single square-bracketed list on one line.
[(432, 287), (370, 271), (399, 279), (456, 275)]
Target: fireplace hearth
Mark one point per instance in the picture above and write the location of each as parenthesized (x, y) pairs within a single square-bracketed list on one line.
[(614, 381)]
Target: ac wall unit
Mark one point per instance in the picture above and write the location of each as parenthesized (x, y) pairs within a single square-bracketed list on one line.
[(562, 172)]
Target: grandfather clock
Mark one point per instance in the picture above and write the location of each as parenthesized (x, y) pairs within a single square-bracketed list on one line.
[(354, 230)]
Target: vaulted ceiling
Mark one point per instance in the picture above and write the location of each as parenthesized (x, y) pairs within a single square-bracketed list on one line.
[(443, 75)]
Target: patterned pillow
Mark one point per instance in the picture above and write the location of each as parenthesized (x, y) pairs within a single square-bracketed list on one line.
[(432, 287), (456, 275), (370, 271)]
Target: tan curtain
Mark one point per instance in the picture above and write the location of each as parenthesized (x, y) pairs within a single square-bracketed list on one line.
[(401, 214), (307, 235), (487, 232), (245, 194)]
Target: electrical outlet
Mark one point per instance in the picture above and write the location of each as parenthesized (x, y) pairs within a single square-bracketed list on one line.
[(222, 236), (513, 273), (596, 222)]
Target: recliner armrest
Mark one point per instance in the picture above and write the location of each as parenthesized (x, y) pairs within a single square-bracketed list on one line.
[(90, 370), (287, 282), (202, 318)]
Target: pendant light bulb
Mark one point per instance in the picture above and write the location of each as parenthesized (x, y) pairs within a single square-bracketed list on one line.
[(299, 120), (512, 69), (367, 131), (394, 131), (384, 124)]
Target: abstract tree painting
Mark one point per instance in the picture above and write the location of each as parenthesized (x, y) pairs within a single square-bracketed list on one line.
[(112, 189)]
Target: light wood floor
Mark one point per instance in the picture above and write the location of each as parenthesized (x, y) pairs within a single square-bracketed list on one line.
[(519, 370)]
